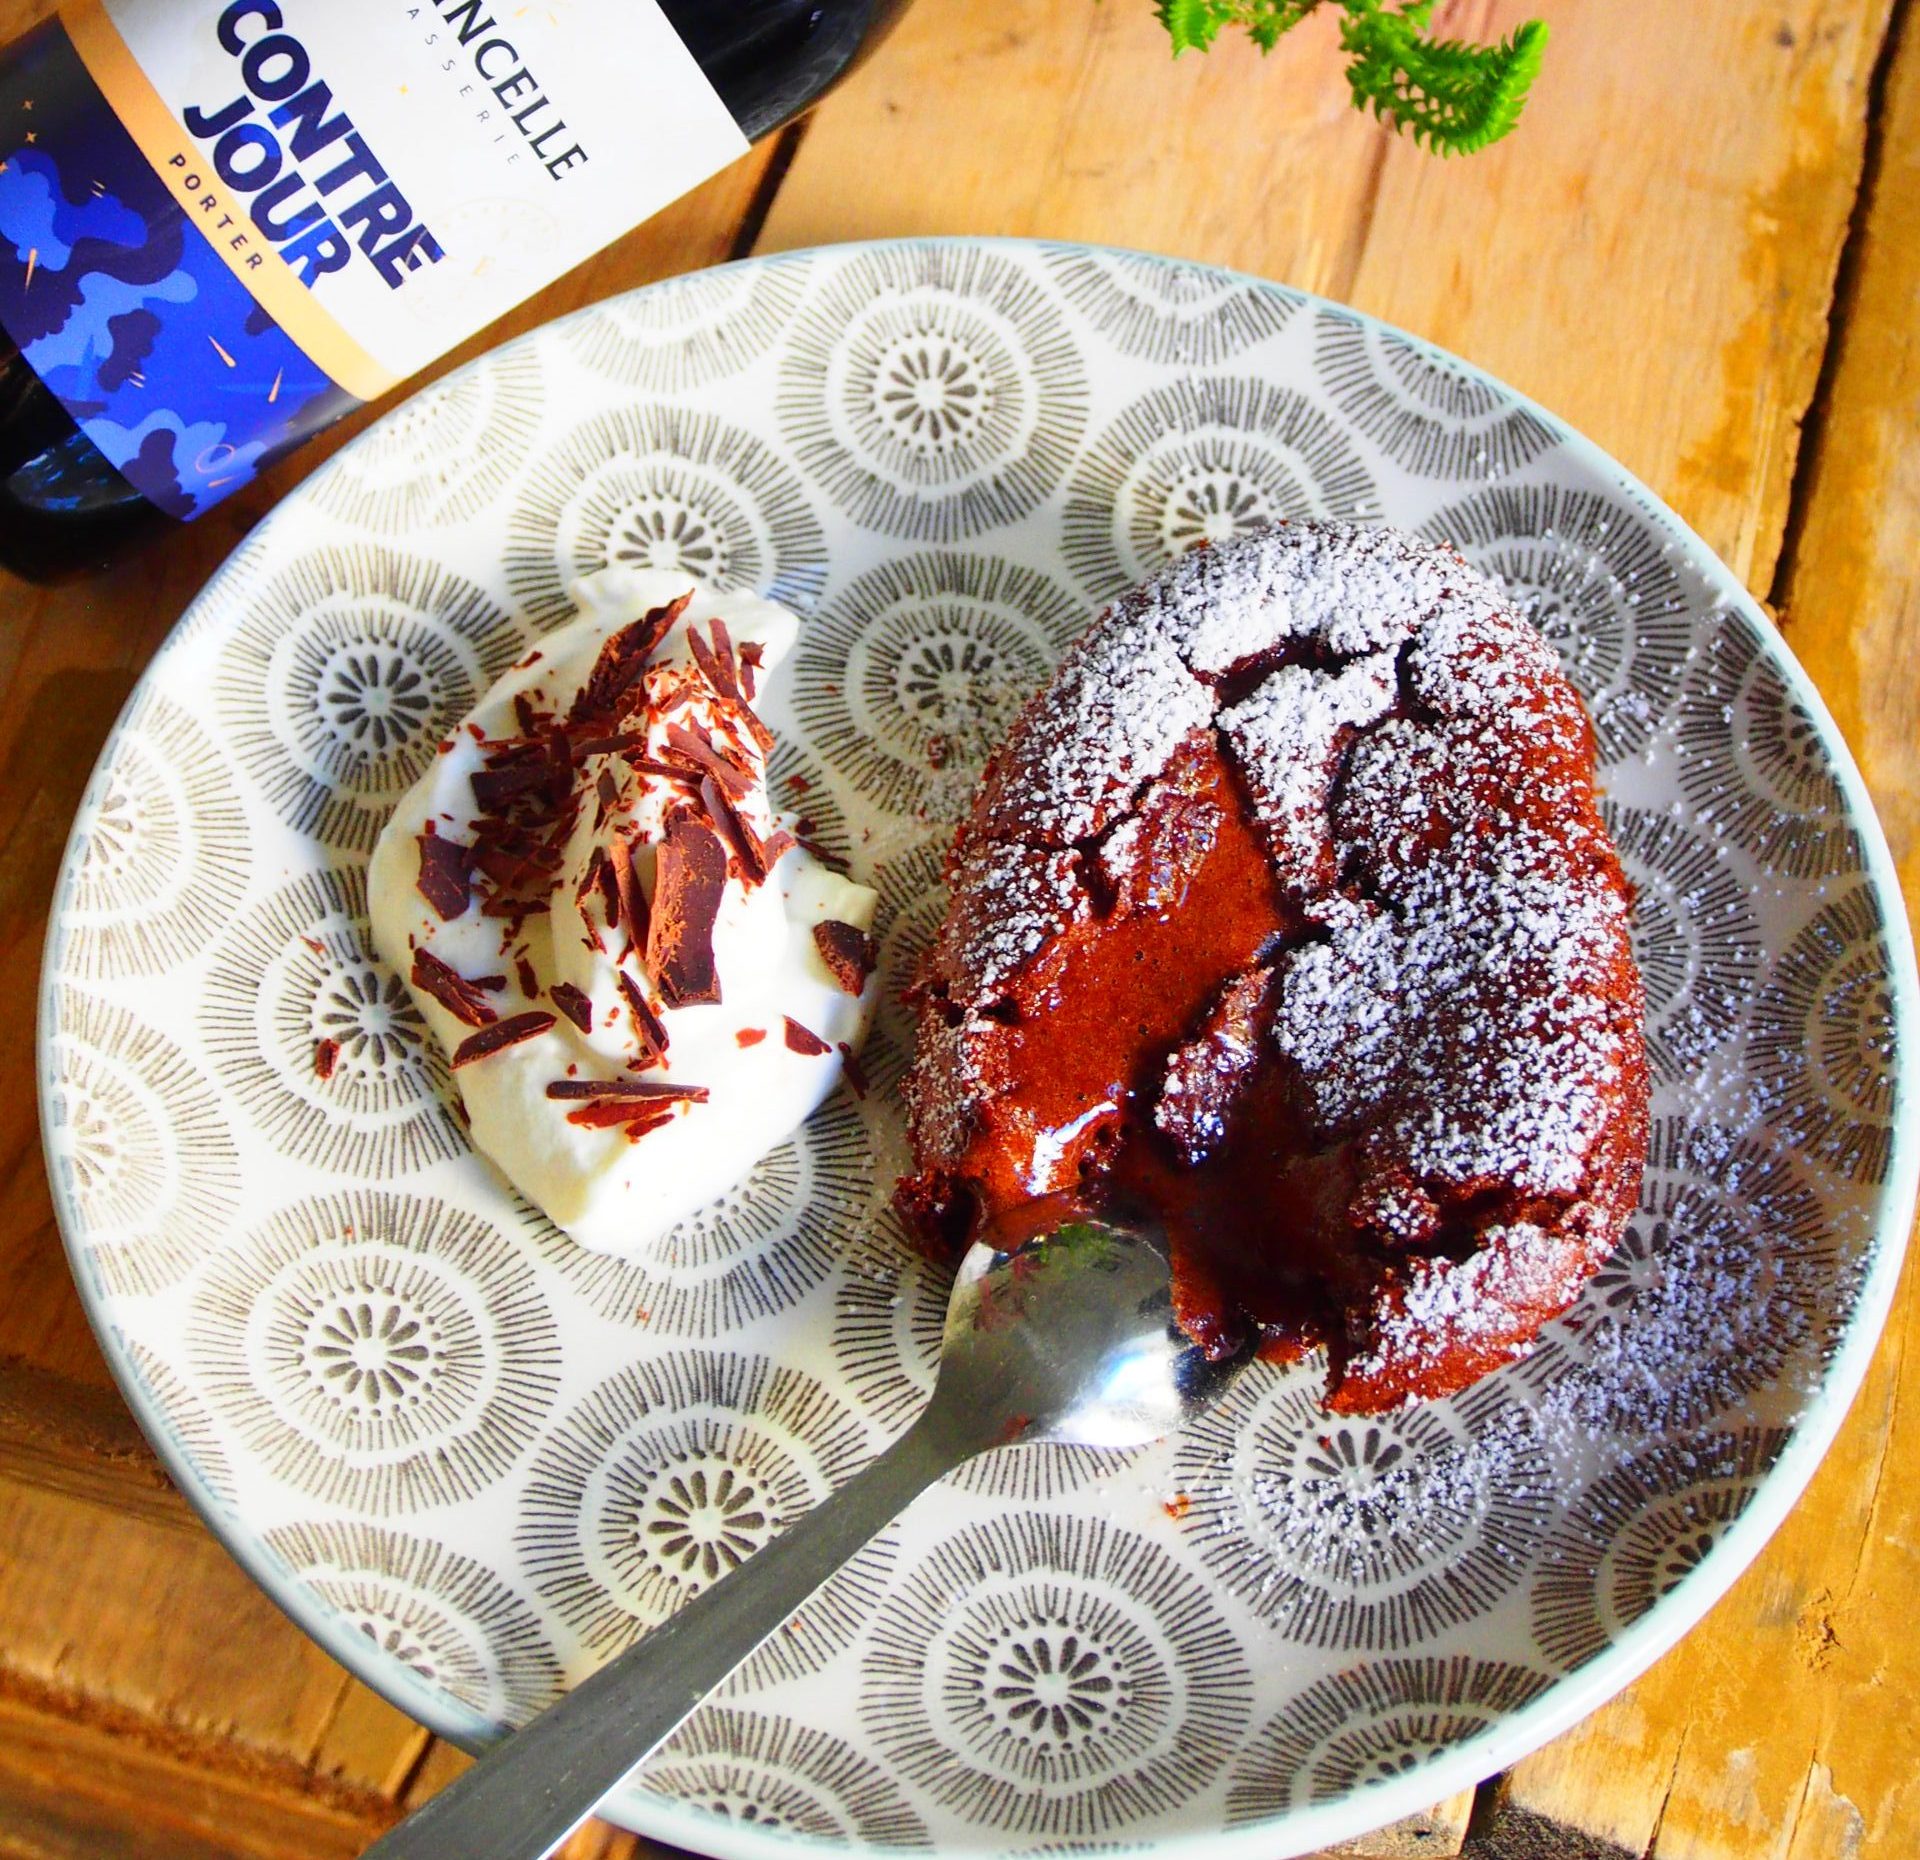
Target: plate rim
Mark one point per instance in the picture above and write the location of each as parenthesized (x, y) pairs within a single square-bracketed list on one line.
[(1297, 1831)]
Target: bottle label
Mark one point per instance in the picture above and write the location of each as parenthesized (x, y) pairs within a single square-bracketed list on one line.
[(224, 225)]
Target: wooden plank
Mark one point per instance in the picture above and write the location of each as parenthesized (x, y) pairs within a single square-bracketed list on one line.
[(68, 1437), (1070, 121), (158, 1624), (1685, 338), (1784, 1726), (104, 1787)]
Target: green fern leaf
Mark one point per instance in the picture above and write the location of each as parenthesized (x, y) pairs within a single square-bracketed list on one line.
[(1450, 96)]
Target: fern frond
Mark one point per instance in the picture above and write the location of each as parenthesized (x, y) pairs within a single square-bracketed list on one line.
[(1451, 96), (1193, 25)]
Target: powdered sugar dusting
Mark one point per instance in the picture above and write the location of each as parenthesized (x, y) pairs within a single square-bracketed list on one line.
[(1116, 711), (1283, 740), (1352, 589)]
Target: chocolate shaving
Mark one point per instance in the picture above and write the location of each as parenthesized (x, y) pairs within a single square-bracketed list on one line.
[(757, 730), (848, 952), (574, 1003), (734, 827), (452, 990), (803, 1040), (628, 904), (664, 771), (635, 1120), (622, 660), (631, 1090), (503, 1033), (855, 1071), (623, 743), (702, 754), (777, 845), (446, 875), (646, 1023), (528, 978), (749, 1036), (715, 668), (326, 1055), (494, 788), (689, 879), (752, 655)]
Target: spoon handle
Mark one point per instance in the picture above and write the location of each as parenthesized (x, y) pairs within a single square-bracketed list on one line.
[(534, 1788)]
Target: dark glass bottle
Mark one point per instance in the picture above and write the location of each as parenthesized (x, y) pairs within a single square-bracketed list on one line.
[(66, 509)]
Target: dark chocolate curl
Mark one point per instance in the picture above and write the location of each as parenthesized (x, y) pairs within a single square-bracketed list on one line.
[(689, 878)]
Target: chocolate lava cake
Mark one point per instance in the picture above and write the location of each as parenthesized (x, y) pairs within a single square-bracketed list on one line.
[(1286, 912)]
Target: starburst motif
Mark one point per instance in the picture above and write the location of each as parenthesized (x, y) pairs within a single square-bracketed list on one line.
[(932, 392), (707, 1521), (1213, 504), (367, 1014), (372, 1351), (373, 696), (1052, 1682), (665, 532)]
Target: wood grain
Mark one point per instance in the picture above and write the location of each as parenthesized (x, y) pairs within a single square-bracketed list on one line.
[(1784, 1726), (1652, 257)]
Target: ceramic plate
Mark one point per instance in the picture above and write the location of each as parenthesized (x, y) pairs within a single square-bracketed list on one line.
[(474, 1460)]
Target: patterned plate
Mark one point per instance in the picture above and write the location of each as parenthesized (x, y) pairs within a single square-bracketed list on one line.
[(474, 1460)]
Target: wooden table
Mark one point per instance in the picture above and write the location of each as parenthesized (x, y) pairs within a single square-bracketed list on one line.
[(1703, 249)]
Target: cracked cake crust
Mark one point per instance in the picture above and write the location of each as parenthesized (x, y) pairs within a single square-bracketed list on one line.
[(1288, 910)]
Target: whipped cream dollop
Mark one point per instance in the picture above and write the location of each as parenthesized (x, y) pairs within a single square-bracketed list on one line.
[(642, 979)]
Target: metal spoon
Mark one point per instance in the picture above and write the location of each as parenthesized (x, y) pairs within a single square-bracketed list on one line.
[(1071, 1337)]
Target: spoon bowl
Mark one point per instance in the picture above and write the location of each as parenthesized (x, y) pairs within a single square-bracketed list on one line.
[(1072, 1338)]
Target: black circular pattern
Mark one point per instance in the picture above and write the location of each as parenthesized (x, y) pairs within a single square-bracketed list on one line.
[(798, 788), (1751, 762), (137, 1135), (381, 1351), (668, 488), (1726, 1283), (1695, 935), (757, 1250), (1048, 1674), (438, 457), (1823, 1038), (909, 678), (1160, 310), (1362, 1532), (297, 970), (672, 1473), (778, 1774), (912, 902), (186, 1418), (1199, 461), (687, 331), (1372, 1724), (1599, 583), (342, 676), (1428, 412), (1638, 1531), (164, 858), (454, 1624), (932, 391), (889, 1311)]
